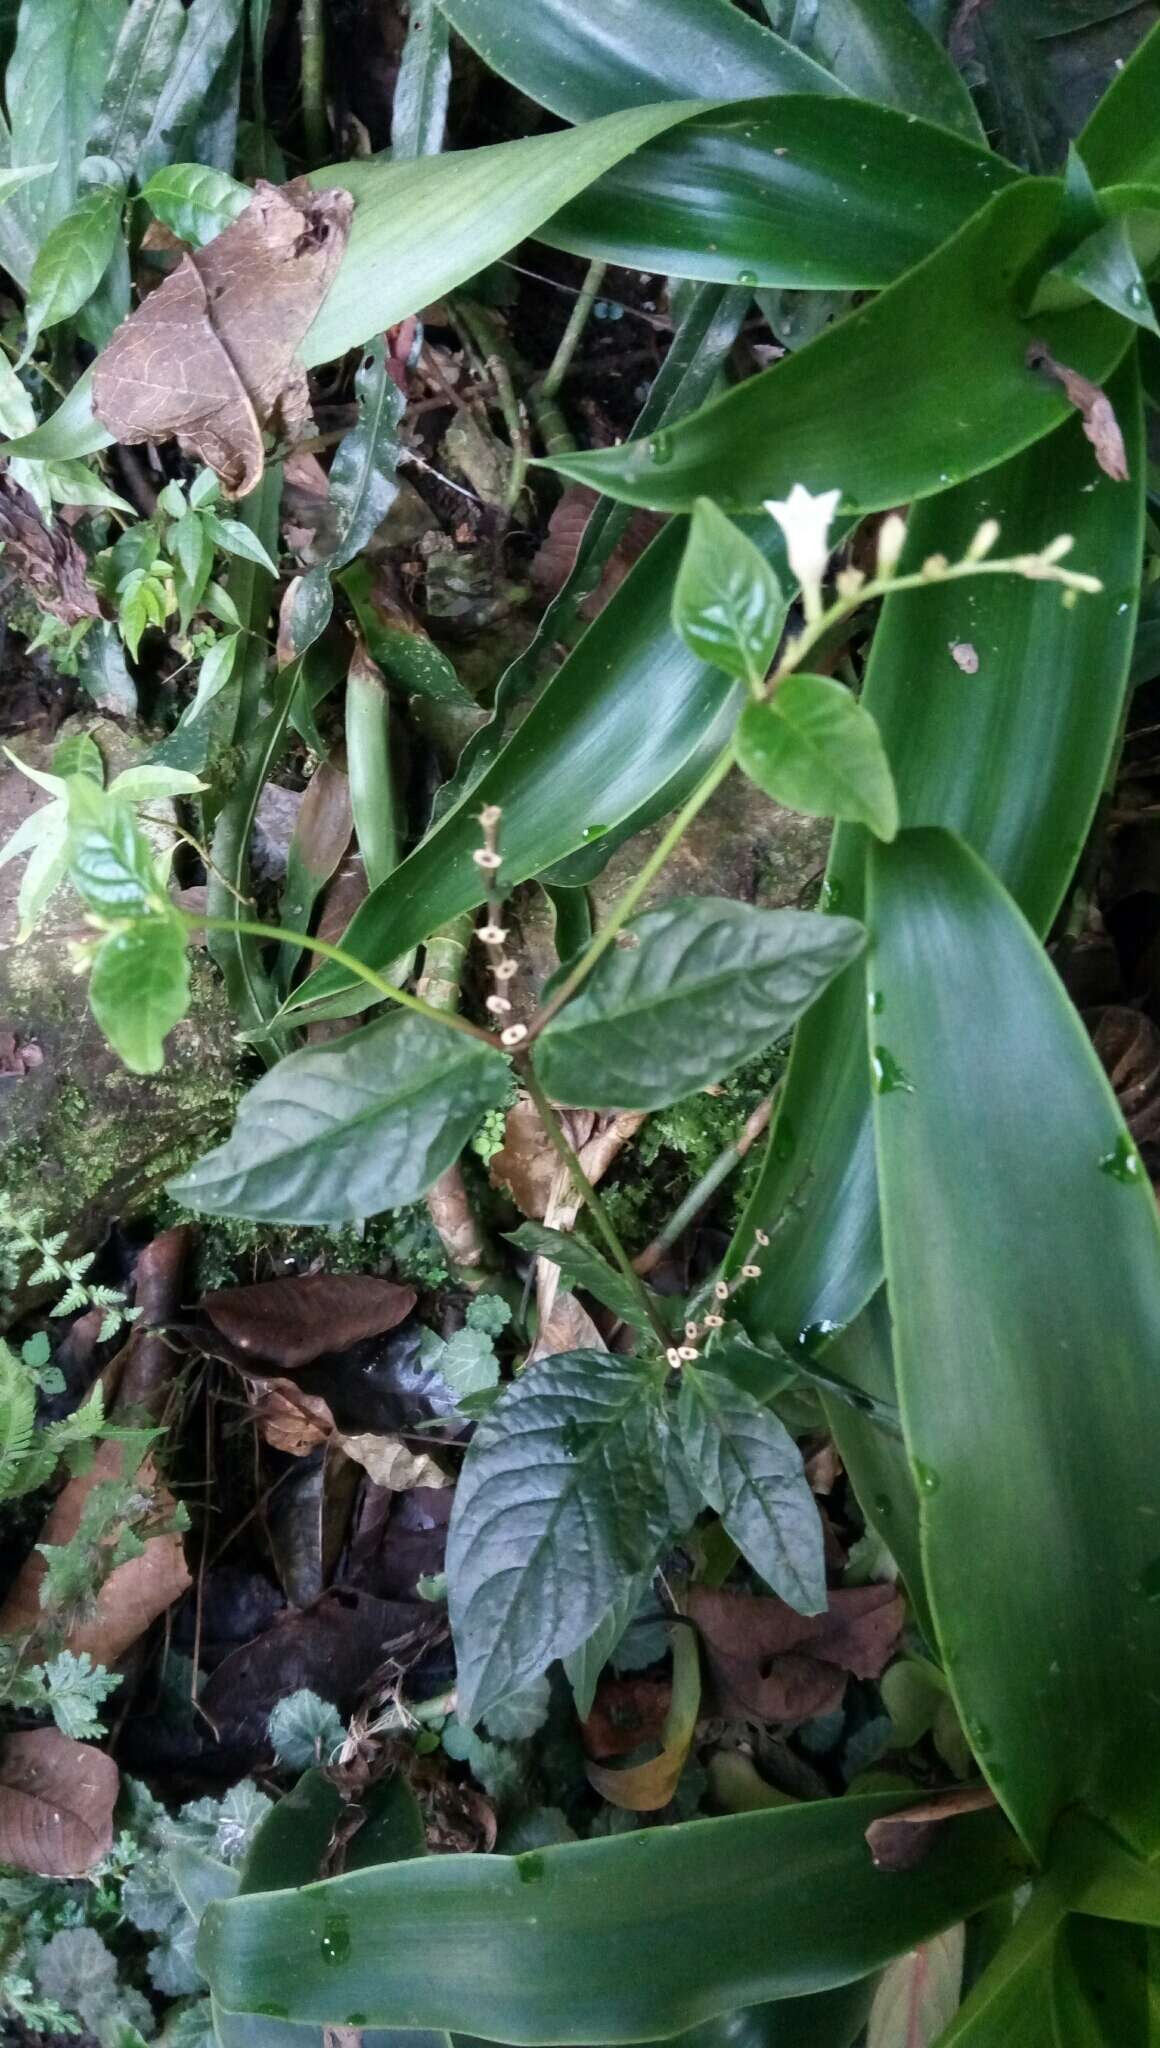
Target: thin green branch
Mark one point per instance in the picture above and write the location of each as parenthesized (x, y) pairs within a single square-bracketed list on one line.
[(577, 321)]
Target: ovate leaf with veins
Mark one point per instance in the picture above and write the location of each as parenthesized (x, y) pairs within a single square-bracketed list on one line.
[(750, 1469), (561, 1498), (349, 1129), (727, 604), (697, 988), (139, 989), (814, 748)]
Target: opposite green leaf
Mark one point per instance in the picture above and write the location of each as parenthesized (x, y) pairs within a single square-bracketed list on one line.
[(727, 603), (110, 861), (690, 992), (605, 1941), (1023, 1263), (72, 261), (561, 1497), (196, 202), (351, 1128), (750, 1470), (585, 1267), (815, 748), (139, 989)]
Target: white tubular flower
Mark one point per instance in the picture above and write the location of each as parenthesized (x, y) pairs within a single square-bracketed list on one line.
[(805, 521)]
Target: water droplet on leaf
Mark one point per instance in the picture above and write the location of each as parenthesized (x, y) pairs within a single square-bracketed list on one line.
[(661, 447), (334, 1948), (1122, 1163), (889, 1077), (926, 1477)]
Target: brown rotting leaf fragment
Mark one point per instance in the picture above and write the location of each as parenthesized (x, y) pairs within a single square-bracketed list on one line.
[(211, 355), (48, 560), (901, 1841), (1093, 406), (767, 1663), (56, 1803), (289, 1323)]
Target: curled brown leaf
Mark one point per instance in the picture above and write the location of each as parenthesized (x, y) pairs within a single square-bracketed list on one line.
[(770, 1664), (1093, 406), (289, 1323), (56, 1803)]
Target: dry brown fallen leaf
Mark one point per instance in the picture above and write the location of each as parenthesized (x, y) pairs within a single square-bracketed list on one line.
[(767, 1663), (288, 1323), (290, 1420), (387, 1460), (211, 355), (56, 1803), (1093, 406), (901, 1841), (49, 561)]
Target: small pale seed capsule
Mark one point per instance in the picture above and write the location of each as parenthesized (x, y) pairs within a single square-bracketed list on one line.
[(984, 541), (891, 535), (515, 1034), (691, 1331), (1058, 548), (934, 567), (687, 1353), (714, 1322), (504, 969), (498, 1005), (673, 1357), (721, 1290), (762, 1236), (490, 815), (484, 858), (491, 934), (849, 582), (751, 1272)]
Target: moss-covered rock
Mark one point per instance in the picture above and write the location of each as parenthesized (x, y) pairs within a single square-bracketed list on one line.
[(82, 1140)]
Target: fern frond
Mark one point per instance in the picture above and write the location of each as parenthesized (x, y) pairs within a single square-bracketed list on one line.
[(17, 1419)]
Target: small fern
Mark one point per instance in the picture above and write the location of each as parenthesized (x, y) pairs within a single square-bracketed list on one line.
[(17, 1426)]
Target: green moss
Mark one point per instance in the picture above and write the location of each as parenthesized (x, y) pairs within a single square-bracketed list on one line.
[(231, 1251)]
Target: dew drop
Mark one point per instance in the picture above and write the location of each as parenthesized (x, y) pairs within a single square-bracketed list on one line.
[(927, 1478), (356, 2019), (883, 1506), (660, 447), (334, 1948), (815, 1335), (833, 896), (876, 1001), (1122, 1163), (530, 1867), (747, 277), (889, 1078)]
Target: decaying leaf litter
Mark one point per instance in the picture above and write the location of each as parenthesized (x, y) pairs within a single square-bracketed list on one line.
[(396, 1460)]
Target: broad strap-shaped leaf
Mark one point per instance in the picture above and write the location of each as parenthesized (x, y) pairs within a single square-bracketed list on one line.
[(197, 90), (727, 603), (1031, 706), (561, 1498), (562, 1944), (619, 721), (882, 52), (53, 89), (584, 1267), (583, 62), (1121, 140), (867, 405), (799, 191), (815, 748), (141, 66), (350, 1128), (750, 1470), (419, 107), (1023, 1263), (139, 989), (696, 988)]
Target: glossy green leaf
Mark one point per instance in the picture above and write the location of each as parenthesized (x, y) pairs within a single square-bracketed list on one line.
[(698, 986), (53, 90), (421, 228), (398, 645), (72, 430), (292, 1838), (921, 388), (111, 864), (211, 39), (1008, 1133), (1100, 1985), (798, 191), (727, 602), (584, 1267), (139, 989), (620, 719), (830, 2019), (563, 1944), (197, 203), (12, 180), (350, 1128), (881, 52), (141, 66), (419, 108), (584, 1665), (586, 61), (72, 260), (560, 1499), (956, 745), (750, 1471), (815, 748), (234, 537), (363, 487), (1121, 140), (1106, 266)]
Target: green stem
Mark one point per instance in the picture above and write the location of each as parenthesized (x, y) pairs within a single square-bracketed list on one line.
[(577, 321), (308, 943), (701, 1195), (500, 362), (706, 788), (314, 122), (603, 1221)]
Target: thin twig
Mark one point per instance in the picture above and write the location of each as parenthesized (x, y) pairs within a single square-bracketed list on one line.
[(577, 321), (314, 121), (700, 1196)]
